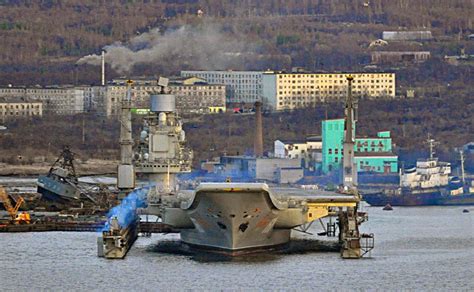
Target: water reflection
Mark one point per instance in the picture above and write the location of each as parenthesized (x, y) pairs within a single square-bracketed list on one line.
[(198, 254)]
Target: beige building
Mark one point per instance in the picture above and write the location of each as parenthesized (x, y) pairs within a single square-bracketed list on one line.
[(59, 100), (15, 107), (286, 91), (116, 91), (193, 95)]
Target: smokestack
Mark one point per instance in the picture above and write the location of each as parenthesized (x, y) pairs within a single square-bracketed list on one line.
[(258, 143), (103, 68)]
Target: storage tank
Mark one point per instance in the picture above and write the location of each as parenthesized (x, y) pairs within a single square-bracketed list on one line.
[(163, 103)]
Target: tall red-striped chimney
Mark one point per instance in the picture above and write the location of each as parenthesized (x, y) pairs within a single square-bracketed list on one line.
[(258, 143)]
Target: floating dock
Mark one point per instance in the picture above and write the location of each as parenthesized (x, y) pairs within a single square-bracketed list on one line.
[(143, 227)]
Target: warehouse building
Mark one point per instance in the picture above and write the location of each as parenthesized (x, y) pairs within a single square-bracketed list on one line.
[(386, 57)]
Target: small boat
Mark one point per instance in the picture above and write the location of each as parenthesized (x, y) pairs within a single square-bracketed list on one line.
[(388, 207)]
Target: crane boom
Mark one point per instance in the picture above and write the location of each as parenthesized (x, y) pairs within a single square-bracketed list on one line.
[(12, 210)]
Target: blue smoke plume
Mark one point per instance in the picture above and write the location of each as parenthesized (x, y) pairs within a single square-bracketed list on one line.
[(126, 210)]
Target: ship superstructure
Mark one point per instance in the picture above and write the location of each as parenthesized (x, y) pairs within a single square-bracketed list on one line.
[(162, 153), (428, 183), (428, 175)]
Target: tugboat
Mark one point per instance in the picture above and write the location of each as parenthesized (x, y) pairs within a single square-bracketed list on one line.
[(427, 184)]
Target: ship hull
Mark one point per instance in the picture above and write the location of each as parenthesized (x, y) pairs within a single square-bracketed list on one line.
[(55, 190), (234, 221), (435, 198)]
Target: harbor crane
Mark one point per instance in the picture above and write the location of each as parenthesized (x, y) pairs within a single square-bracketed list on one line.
[(22, 218)]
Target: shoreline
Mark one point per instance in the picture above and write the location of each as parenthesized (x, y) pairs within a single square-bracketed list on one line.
[(90, 167)]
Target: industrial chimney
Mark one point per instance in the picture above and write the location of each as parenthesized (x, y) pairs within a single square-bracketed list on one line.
[(103, 68), (258, 143)]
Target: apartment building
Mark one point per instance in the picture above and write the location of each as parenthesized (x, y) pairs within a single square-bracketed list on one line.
[(61, 100), (287, 91), (19, 107), (193, 95), (241, 86)]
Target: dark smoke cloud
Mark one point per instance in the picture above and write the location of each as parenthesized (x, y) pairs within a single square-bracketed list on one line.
[(203, 46)]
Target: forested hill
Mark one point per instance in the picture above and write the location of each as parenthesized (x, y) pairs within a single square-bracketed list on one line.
[(43, 39)]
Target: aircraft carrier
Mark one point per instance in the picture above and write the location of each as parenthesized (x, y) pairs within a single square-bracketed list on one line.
[(226, 217)]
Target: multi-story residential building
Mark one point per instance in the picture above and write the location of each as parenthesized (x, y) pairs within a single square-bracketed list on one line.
[(94, 98), (19, 107), (61, 100), (286, 91), (371, 154), (241, 86), (140, 91), (193, 95)]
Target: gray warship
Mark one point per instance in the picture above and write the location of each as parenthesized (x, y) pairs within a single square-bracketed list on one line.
[(232, 217), (61, 181), (235, 217)]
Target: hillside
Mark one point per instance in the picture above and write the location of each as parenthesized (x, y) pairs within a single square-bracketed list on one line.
[(42, 40), (410, 123)]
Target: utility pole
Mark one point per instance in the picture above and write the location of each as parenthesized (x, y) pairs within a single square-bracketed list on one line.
[(463, 177), (83, 129)]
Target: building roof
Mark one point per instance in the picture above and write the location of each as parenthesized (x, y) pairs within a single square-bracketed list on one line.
[(314, 139), (182, 80), (381, 71), (375, 154), (293, 141), (398, 53)]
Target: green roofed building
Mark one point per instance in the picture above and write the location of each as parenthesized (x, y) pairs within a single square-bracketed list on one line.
[(371, 154)]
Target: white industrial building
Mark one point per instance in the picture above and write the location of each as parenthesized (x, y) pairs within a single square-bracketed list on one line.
[(420, 35), (309, 150)]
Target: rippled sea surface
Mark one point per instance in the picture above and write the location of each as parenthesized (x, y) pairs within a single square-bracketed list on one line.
[(429, 248)]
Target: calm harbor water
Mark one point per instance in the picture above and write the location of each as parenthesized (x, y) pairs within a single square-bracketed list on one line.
[(422, 248)]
